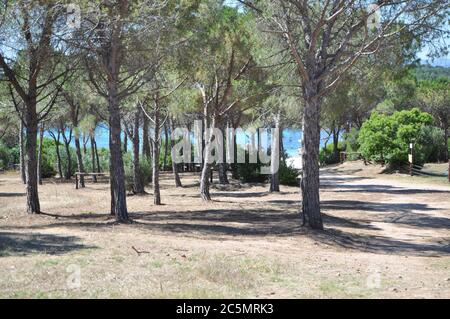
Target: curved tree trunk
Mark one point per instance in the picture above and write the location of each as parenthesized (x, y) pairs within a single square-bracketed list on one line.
[(204, 180), (310, 161), (85, 141), (137, 175), (39, 165)]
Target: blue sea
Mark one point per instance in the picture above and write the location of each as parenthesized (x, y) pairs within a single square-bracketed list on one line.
[(291, 139)]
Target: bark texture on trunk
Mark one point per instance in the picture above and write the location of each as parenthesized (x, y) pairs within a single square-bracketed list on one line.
[(22, 154), (39, 165), (137, 175), (33, 205), (310, 161), (117, 173)]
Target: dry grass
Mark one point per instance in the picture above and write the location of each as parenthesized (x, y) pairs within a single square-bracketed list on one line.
[(385, 238)]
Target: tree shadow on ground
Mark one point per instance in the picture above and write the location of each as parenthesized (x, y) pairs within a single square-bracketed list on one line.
[(337, 180), (22, 244), (380, 244), (337, 171), (12, 194), (280, 219), (381, 189), (82, 216)]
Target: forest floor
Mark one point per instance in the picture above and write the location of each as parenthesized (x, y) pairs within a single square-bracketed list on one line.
[(386, 236)]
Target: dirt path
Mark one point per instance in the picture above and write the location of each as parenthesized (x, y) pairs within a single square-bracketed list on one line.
[(383, 238)]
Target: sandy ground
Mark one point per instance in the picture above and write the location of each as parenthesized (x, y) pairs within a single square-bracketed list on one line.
[(385, 237)]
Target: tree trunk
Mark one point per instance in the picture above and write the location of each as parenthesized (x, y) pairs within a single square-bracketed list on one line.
[(310, 160), (275, 157), (223, 167), (125, 142), (446, 155), (146, 152), (39, 165), (22, 154), (137, 175), (58, 155), (99, 169), (204, 180), (117, 173), (69, 161), (336, 131), (94, 178), (155, 158), (85, 140), (68, 171), (80, 165), (176, 175), (166, 147), (33, 205)]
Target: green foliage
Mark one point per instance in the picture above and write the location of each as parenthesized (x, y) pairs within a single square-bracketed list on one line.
[(386, 138), (47, 169), (249, 172), (428, 72), (327, 156), (352, 144), (49, 159), (145, 169), (432, 139), (288, 175), (6, 158)]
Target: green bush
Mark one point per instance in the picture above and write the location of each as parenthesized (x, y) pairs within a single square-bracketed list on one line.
[(49, 158), (249, 172), (145, 169), (432, 140), (328, 157), (352, 144), (103, 155), (288, 175), (5, 156), (385, 138), (47, 169)]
